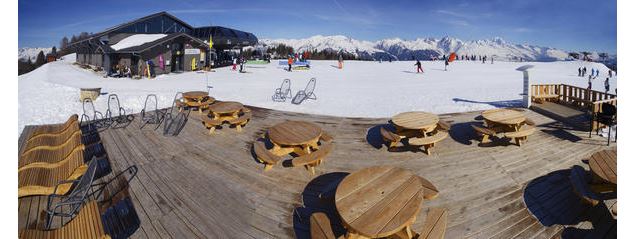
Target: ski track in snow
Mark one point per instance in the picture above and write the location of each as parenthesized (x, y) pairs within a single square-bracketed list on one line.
[(50, 94)]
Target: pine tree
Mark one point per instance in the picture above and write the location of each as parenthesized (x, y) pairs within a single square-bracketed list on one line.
[(40, 60), (64, 43)]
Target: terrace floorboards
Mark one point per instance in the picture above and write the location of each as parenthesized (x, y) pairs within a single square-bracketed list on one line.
[(197, 185)]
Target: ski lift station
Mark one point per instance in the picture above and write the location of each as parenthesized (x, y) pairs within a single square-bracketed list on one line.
[(161, 42)]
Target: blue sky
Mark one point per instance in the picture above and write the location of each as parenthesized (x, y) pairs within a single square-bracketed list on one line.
[(565, 24)]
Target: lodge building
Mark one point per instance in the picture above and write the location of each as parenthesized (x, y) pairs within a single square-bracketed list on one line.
[(162, 42)]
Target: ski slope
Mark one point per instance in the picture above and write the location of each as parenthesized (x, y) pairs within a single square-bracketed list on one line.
[(50, 94)]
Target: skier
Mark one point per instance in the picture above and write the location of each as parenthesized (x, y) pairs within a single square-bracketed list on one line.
[(340, 61), (589, 83), (592, 72), (446, 65), (492, 58), (606, 85), (234, 64), (418, 64), (290, 62), (579, 71), (610, 73), (584, 71), (484, 59)]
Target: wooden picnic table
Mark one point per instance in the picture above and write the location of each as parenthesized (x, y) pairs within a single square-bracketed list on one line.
[(195, 95), (415, 120), (603, 164), (379, 201), (508, 117), (226, 109), (293, 134)]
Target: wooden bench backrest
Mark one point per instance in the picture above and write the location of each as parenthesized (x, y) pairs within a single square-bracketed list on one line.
[(52, 139), (51, 156), (57, 128), (73, 141), (49, 177)]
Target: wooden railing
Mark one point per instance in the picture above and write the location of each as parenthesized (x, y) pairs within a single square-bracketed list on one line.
[(589, 100)]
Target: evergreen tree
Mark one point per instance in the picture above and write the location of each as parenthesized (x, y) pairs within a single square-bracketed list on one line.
[(40, 60), (64, 43)]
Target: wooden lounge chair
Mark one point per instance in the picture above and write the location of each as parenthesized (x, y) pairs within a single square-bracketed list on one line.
[(74, 140), (45, 181), (521, 134), (87, 224), (321, 226), (265, 156), (580, 180), (428, 142), (210, 123), (241, 120), (391, 138), (434, 225), (309, 161), (52, 139), (50, 158), (56, 128), (485, 133)]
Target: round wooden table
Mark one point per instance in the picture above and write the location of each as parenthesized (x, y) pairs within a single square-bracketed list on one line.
[(603, 164), (195, 95), (226, 108), (415, 120), (379, 201), (505, 117), (295, 133)]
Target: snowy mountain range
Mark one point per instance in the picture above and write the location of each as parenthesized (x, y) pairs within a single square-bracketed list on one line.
[(28, 52), (423, 48)]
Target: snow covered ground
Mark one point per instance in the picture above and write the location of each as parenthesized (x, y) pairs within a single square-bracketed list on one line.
[(50, 93)]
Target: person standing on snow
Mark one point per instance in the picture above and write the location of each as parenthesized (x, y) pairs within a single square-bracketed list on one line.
[(290, 62), (418, 64), (579, 71), (589, 88), (242, 64), (607, 86), (446, 65), (592, 72), (234, 64), (610, 73), (340, 61)]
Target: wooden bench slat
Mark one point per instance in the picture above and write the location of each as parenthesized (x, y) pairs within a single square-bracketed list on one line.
[(320, 226), (265, 156), (435, 224)]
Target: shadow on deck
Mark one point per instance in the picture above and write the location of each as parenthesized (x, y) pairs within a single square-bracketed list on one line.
[(577, 119)]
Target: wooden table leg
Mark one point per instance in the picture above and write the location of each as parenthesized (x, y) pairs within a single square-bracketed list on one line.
[(405, 233)]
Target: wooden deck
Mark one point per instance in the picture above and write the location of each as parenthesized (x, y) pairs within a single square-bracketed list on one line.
[(197, 185), (576, 118)]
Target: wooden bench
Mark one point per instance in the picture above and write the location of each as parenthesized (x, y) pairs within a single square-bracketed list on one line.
[(87, 224), (50, 157), (429, 190), (210, 123), (241, 121), (485, 133), (391, 138), (529, 122), (309, 161), (52, 139), (442, 125), (428, 142), (74, 140), (42, 181), (55, 128), (265, 156), (521, 134), (320, 226), (434, 225), (326, 137), (580, 180)]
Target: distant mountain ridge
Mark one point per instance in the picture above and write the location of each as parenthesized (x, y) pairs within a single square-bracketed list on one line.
[(424, 48), (31, 52)]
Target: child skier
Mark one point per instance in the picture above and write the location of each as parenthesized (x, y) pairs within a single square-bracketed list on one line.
[(418, 64), (290, 62)]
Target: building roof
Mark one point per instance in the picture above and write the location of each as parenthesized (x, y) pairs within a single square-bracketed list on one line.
[(225, 36), (148, 45)]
